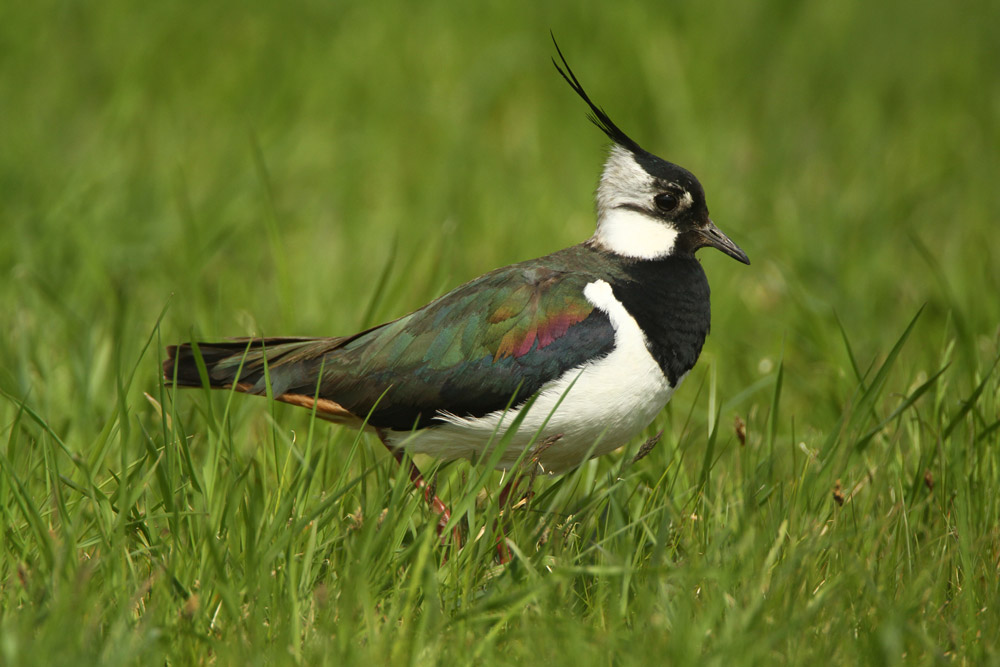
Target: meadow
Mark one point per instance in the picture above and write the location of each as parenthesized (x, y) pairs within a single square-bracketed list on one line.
[(827, 486)]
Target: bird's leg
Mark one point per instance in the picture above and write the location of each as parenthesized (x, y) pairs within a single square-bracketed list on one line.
[(437, 505), (504, 505), (504, 502)]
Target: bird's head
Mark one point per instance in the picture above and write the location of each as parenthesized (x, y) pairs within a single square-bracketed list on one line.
[(647, 208)]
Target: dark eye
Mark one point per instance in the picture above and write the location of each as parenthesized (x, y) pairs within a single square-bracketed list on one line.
[(666, 201)]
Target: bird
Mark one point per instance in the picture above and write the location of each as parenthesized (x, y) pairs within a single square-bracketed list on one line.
[(580, 349)]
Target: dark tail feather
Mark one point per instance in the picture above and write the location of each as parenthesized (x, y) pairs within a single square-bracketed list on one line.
[(241, 362)]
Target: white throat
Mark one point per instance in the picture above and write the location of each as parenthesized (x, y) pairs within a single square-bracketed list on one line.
[(633, 234), (622, 228)]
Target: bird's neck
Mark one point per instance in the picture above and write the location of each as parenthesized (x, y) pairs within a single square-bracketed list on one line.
[(634, 235)]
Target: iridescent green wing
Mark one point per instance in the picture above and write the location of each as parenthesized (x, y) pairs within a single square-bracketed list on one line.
[(471, 351)]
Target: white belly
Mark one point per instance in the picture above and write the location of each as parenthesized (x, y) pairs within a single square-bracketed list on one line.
[(596, 407)]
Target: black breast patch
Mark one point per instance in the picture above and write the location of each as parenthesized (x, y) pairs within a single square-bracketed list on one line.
[(669, 299)]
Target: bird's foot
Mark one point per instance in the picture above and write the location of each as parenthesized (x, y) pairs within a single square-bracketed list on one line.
[(438, 507), (430, 495), (506, 503)]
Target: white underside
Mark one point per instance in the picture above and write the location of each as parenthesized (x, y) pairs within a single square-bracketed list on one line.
[(596, 407)]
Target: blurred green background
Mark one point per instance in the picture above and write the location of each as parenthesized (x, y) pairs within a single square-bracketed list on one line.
[(258, 162), (255, 168)]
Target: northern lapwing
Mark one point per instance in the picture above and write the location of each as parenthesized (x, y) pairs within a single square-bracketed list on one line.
[(594, 338)]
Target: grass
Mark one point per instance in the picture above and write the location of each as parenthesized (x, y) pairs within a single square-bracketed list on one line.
[(183, 170)]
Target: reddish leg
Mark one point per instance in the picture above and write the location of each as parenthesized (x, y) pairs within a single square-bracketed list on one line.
[(437, 505), (505, 505), (507, 502)]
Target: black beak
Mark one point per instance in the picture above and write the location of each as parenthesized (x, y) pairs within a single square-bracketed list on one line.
[(713, 236)]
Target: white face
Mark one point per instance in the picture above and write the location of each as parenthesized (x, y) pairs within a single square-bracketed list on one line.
[(629, 222)]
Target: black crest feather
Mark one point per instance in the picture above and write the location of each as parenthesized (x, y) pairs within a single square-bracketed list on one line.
[(597, 116)]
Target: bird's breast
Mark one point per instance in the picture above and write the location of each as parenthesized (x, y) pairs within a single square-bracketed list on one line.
[(669, 300)]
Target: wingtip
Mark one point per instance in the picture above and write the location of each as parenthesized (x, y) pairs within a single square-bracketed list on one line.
[(169, 363)]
